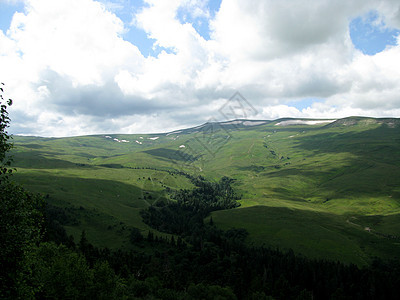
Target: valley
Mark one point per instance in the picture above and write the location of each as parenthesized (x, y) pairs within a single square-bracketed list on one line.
[(327, 189)]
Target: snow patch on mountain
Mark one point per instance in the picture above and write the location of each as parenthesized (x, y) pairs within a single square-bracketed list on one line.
[(253, 123), (303, 122)]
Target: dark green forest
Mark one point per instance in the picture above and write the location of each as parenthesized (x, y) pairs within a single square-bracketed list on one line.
[(38, 260)]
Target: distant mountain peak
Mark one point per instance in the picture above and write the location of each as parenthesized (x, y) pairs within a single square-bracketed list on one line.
[(238, 124), (366, 121)]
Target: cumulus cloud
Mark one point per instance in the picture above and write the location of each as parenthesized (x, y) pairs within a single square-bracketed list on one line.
[(70, 71)]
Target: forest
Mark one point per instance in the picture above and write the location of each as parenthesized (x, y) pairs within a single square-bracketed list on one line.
[(201, 262)]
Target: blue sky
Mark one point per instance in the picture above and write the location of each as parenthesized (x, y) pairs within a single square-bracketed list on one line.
[(7, 10), (371, 35), (126, 9), (201, 24), (286, 60), (301, 104)]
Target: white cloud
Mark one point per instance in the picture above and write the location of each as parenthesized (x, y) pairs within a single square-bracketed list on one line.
[(78, 39), (70, 72), (390, 12), (274, 29)]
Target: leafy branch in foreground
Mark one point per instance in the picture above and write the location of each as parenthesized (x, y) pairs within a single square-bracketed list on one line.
[(5, 145), (20, 222)]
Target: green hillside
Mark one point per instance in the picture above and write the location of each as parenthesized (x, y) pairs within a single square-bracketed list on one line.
[(327, 190)]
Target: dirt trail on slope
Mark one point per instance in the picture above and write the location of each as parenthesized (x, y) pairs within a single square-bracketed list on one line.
[(251, 147)]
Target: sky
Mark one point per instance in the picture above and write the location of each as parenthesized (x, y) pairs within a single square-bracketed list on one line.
[(79, 67)]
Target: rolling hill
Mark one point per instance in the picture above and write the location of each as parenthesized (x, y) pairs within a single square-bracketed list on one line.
[(325, 188)]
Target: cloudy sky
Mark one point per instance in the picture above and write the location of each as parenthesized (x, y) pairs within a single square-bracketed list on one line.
[(77, 67)]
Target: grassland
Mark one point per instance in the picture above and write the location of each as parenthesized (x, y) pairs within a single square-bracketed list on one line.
[(312, 188)]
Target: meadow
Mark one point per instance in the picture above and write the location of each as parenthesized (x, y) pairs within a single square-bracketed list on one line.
[(329, 190)]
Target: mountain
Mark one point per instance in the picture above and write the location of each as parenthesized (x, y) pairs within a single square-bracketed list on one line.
[(325, 188)]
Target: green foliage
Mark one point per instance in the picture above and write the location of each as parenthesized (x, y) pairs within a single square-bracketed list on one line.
[(20, 231), (190, 207), (210, 292), (208, 196), (20, 224), (135, 236), (5, 145), (105, 282), (218, 265), (61, 273), (55, 220)]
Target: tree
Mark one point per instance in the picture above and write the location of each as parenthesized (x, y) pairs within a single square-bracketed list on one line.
[(5, 145), (135, 236), (20, 222), (62, 273)]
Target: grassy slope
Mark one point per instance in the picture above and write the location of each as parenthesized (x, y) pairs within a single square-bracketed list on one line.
[(85, 172), (334, 177), (310, 188)]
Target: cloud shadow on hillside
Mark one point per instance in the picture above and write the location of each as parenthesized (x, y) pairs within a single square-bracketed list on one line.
[(367, 165), (171, 155), (102, 194)]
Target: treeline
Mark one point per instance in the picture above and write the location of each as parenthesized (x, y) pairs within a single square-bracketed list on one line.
[(208, 264), (201, 261), (190, 207)]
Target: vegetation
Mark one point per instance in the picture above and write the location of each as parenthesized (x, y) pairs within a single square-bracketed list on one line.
[(204, 263), (310, 188), (20, 223), (269, 212), (190, 207), (5, 146)]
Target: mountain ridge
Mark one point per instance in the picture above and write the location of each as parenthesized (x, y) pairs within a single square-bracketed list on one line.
[(239, 123)]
